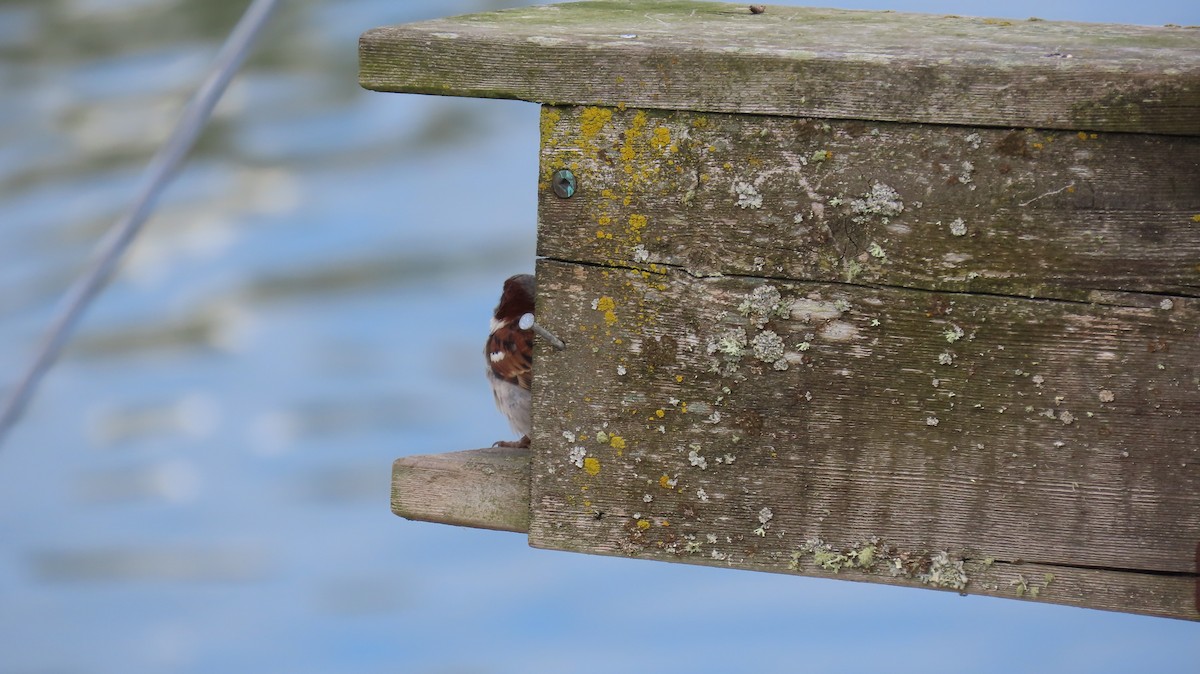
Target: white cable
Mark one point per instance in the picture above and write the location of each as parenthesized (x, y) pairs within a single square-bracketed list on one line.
[(157, 176)]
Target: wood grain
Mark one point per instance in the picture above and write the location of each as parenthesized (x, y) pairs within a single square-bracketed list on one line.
[(481, 488), (908, 299), (804, 62), (742, 420), (1014, 212)]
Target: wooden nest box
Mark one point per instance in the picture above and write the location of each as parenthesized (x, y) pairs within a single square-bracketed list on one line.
[(898, 298)]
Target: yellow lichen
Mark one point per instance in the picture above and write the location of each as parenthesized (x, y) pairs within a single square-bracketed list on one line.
[(550, 118), (591, 465), (664, 482), (643, 524), (635, 129), (608, 306), (592, 120), (659, 413), (636, 223), (661, 138), (617, 442)]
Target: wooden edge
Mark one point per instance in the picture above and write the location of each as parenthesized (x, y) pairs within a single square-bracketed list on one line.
[(1161, 595), (481, 488), (714, 57)]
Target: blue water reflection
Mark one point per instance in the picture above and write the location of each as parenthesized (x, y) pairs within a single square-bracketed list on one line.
[(202, 485)]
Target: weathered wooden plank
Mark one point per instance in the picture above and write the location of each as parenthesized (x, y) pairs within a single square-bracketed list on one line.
[(804, 62), (482, 488), (752, 421), (1018, 212)]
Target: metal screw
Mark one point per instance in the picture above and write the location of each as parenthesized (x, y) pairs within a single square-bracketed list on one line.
[(563, 183), (527, 322)]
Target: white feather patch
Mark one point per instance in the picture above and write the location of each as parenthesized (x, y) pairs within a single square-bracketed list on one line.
[(496, 356)]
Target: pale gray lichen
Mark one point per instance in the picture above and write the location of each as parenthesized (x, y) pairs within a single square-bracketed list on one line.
[(768, 347), (958, 227), (748, 196), (965, 177), (877, 251), (765, 515), (830, 560), (823, 555), (764, 303), (731, 344), (953, 333), (945, 571), (882, 201), (576, 456), (695, 459), (853, 269), (945, 358), (863, 557), (1106, 396)]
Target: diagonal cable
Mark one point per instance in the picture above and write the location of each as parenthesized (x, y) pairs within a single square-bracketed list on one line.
[(157, 176)]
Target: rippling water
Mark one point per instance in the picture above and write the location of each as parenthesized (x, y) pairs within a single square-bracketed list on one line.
[(202, 484)]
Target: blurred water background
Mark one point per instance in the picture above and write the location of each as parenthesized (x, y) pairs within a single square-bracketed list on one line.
[(202, 484)]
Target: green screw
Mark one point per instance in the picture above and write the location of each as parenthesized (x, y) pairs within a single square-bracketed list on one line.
[(563, 183)]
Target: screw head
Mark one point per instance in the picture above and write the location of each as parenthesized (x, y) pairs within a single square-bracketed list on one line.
[(563, 183)]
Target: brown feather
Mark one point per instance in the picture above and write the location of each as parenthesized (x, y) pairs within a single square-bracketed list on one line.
[(516, 300), (517, 346)]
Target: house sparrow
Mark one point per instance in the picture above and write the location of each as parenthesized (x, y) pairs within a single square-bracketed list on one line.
[(509, 354)]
